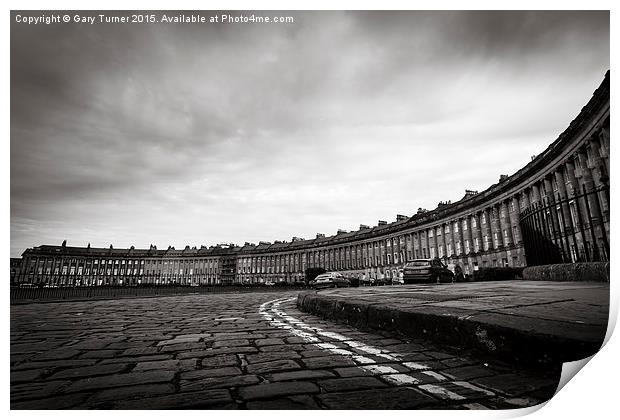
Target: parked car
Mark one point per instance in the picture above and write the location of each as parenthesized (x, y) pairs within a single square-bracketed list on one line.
[(383, 281), (353, 281), (367, 281), (331, 279), (427, 271)]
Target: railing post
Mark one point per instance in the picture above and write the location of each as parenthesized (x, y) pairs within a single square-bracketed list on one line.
[(596, 255), (525, 234), (602, 221), (582, 227), (540, 233), (561, 229), (572, 228)]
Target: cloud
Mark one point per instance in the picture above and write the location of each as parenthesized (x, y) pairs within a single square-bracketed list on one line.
[(139, 134)]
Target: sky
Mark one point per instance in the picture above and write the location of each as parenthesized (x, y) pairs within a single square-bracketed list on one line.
[(207, 133)]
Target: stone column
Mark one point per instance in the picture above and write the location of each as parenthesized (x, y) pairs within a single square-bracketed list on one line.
[(514, 220), (487, 228), (435, 241), (571, 183), (504, 224), (430, 241), (411, 248), (548, 188), (535, 194), (444, 240), (466, 230), (496, 234), (561, 182), (476, 231), (603, 136), (600, 174), (483, 228), (457, 237), (451, 237), (588, 181), (592, 181), (526, 198), (396, 248), (496, 226), (597, 164)]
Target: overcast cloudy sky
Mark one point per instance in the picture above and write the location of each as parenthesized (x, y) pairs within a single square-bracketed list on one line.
[(207, 133)]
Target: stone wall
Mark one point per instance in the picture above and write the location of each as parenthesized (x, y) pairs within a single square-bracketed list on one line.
[(591, 271)]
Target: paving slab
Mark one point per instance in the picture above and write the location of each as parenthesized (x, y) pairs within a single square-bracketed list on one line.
[(275, 356)]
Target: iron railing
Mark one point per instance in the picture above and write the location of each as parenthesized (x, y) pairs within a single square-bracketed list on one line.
[(567, 229), (112, 292)]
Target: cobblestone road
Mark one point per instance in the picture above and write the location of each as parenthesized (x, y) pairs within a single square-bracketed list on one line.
[(253, 351)]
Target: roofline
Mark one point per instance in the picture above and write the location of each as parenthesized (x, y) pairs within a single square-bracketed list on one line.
[(599, 99)]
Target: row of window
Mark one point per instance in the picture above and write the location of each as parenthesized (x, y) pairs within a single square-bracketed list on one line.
[(270, 264), (122, 263), (72, 270), (112, 281), (381, 272)]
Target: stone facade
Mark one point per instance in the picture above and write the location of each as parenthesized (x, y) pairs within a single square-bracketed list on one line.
[(78, 266), (16, 265), (480, 230)]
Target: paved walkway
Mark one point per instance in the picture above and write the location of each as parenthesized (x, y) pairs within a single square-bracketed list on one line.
[(250, 351), (524, 321)]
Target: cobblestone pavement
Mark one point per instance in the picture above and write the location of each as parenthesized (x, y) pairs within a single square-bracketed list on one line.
[(251, 351)]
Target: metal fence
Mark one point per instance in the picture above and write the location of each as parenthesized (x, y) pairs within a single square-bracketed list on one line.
[(19, 294), (567, 229)]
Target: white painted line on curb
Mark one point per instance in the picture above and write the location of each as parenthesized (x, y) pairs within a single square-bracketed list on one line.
[(474, 388), (402, 379), (441, 392), (268, 309), (435, 375), (416, 366)]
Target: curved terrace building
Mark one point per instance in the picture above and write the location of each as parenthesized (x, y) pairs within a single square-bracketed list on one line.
[(555, 209)]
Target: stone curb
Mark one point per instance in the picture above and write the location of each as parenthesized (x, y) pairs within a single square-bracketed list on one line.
[(488, 338)]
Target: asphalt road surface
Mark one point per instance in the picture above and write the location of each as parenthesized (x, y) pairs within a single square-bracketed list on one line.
[(249, 351)]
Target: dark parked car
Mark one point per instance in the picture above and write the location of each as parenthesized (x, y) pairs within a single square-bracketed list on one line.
[(353, 281), (367, 281), (427, 271), (330, 280)]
